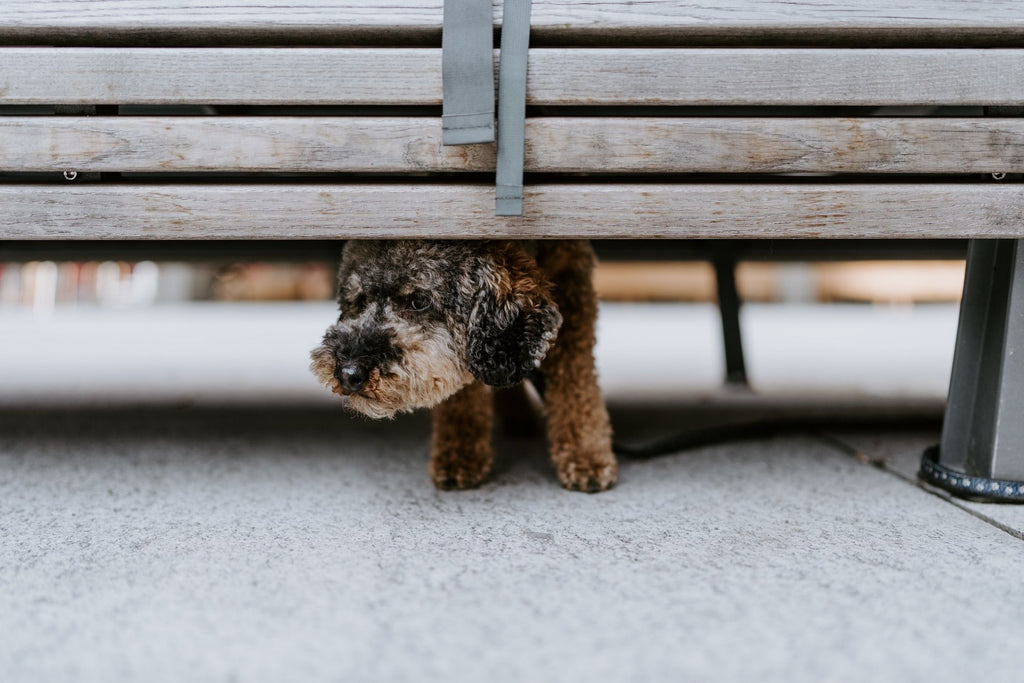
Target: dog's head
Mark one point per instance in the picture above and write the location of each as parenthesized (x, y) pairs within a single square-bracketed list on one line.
[(422, 319)]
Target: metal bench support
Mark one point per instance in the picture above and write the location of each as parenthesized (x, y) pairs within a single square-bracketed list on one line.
[(982, 450), (729, 307)]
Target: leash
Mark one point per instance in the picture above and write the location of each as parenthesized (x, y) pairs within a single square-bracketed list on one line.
[(695, 438), (704, 436)]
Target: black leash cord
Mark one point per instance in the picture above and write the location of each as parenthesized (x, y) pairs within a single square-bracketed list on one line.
[(696, 438), (704, 436)]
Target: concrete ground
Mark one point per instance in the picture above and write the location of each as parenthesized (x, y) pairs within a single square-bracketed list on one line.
[(188, 530)]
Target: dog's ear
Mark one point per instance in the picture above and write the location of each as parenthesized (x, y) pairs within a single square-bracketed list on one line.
[(514, 320)]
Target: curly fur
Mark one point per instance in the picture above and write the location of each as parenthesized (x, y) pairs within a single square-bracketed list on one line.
[(436, 323)]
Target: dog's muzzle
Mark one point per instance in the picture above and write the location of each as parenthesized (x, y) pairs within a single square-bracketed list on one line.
[(352, 375)]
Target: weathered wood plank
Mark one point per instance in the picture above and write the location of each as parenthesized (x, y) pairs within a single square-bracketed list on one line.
[(775, 145), (553, 145), (704, 76), (228, 143), (710, 76), (327, 211), (219, 76), (677, 21)]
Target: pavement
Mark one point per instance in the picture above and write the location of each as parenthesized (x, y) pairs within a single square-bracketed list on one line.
[(196, 510)]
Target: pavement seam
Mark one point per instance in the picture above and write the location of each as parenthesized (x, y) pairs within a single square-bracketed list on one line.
[(880, 464)]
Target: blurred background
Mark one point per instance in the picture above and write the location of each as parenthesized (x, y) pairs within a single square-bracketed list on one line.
[(43, 286), (188, 332)]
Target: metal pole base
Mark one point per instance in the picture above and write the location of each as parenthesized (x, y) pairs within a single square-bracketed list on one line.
[(982, 451), (980, 489)]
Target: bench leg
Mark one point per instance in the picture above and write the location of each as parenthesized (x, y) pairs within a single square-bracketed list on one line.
[(981, 454), (729, 307)]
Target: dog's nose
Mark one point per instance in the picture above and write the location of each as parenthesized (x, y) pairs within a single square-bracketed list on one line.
[(352, 376)]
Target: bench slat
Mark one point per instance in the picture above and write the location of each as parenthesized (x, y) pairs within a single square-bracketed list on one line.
[(574, 77), (228, 143), (776, 145), (553, 145), (328, 211), (678, 21)]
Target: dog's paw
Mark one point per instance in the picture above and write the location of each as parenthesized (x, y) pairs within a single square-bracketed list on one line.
[(589, 474), (458, 474)]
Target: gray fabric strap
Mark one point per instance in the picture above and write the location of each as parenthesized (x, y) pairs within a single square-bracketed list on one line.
[(515, 43), (467, 72)]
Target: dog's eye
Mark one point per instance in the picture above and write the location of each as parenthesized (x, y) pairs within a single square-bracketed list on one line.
[(359, 303), (420, 301)]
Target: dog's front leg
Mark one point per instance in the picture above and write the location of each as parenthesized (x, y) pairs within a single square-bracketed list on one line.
[(579, 431), (461, 454)]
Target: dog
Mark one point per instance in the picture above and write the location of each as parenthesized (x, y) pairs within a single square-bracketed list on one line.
[(441, 324)]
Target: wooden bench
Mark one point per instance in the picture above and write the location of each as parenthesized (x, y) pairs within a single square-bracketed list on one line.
[(314, 120)]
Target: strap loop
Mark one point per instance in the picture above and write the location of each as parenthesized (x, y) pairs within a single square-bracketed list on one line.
[(515, 44), (467, 72)]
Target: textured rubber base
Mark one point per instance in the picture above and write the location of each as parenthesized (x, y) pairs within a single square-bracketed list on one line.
[(965, 486)]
